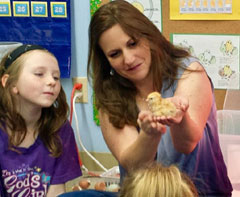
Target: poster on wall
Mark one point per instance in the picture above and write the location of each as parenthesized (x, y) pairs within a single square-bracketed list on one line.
[(46, 23), (219, 54), (150, 8), (204, 6), (204, 10)]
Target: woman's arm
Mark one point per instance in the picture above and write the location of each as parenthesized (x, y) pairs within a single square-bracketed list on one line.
[(55, 190), (193, 98), (129, 147)]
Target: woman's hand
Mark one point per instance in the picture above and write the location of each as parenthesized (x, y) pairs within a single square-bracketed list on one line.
[(181, 104), (149, 124)]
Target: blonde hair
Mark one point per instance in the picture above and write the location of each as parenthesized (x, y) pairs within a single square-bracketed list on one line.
[(158, 181)]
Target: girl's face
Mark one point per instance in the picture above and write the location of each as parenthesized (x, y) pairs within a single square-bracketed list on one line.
[(39, 81), (129, 58)]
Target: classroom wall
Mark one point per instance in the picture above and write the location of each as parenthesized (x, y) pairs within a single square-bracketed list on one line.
[(91, 135)]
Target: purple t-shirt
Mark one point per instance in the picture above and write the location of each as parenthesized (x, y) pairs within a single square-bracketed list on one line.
[(34, 170)]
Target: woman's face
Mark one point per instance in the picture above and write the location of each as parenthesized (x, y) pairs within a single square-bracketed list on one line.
[(129, 58)]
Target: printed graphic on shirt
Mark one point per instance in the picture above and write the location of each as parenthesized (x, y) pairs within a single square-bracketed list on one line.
[(26, 181)]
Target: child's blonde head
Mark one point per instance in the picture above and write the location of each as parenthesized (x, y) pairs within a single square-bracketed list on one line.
[(158, 181)]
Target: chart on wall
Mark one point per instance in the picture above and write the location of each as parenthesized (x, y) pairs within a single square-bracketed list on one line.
[(204, 10), (219, 54), (204, 6), (150, 8), (46, 23)]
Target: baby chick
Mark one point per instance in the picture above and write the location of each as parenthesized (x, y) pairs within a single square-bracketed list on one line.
[(160, 106)]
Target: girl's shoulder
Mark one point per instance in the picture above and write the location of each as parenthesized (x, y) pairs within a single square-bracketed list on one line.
[(3, 139), (65, 130)]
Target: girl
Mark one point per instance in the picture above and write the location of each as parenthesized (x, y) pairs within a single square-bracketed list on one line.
[(37, 146)]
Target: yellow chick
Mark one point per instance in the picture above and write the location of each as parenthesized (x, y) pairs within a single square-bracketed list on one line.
[(190, 3), (212, 3), (220, 3), (229, 46), (160, 106), (205, 3), (197, 3)]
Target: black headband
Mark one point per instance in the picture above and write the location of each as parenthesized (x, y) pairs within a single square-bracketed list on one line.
[(19, 51)]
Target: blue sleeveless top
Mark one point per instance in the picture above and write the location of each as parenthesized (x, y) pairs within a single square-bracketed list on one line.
[(205, 164)]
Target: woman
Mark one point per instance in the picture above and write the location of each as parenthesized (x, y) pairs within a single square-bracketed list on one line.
[(128, 59)]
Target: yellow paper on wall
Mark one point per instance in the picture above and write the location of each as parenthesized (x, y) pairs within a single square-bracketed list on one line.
[(204, 10)]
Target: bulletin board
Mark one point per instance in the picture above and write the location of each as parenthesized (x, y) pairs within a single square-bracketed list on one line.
[(46, 23), (199, 27)]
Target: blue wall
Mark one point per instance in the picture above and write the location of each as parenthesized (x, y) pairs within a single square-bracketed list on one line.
[(91, 135)]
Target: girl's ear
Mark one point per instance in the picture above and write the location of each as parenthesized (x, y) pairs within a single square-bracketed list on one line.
[(4, 79)]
